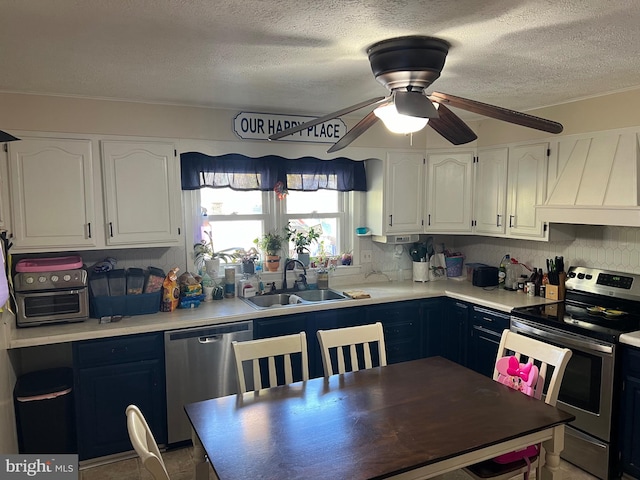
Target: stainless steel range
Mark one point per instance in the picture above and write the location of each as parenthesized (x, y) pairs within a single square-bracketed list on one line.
[(600, 305)]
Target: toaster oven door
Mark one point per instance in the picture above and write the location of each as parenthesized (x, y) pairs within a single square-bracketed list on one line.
[(37, 308)]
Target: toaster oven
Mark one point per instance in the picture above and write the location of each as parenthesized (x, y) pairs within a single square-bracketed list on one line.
[(51, 297)]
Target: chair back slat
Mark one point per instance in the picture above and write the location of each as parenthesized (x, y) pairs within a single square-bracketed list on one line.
[(253, 351), (349, 338)]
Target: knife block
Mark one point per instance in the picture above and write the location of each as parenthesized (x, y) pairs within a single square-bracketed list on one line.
[(557, 292)]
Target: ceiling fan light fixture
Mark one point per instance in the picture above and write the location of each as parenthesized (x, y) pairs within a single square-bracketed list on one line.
[(398, 123)]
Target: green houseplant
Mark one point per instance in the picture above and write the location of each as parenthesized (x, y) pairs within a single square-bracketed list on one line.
[(271, 244), (206, 258), (302, 241)]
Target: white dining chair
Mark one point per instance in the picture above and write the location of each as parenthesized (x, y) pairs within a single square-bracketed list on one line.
[(341, 339), (544, 356), (145, 444), (270, 348)]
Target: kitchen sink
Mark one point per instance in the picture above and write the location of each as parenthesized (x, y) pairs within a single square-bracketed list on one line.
[(282, 299)]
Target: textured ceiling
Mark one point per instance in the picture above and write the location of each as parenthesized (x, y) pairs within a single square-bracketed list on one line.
[(309, 57)]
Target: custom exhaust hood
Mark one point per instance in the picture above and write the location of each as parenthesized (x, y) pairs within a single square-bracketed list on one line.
[(596, 181)]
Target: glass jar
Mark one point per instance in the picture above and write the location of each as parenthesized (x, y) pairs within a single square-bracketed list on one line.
[(323, 280)]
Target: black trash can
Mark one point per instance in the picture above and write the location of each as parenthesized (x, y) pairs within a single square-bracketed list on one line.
[(45, 417)]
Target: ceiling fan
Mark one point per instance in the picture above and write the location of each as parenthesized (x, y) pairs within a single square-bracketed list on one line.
[(407, 66)]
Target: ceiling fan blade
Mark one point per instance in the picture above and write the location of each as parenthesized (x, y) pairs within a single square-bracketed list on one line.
[(326, 118), (355, 132), (414, 104), (498, 113), (7, 137), (451, 127)]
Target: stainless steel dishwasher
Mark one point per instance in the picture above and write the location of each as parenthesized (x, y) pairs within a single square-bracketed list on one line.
[(199, 365)]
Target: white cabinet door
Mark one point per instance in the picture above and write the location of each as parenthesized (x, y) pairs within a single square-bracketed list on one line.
[(490, 191), (449, 191), (395, 189), (52, 193), (141, 192), (527, 188), (403, 192)]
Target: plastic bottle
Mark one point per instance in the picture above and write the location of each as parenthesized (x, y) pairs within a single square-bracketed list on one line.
[(502, 271), (538, 282)]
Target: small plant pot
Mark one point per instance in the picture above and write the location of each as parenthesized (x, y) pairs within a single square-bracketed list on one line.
[(273, 263), (248, 268), (304, 258)]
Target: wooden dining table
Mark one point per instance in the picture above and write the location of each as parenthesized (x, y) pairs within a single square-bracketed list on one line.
[(409, 420)]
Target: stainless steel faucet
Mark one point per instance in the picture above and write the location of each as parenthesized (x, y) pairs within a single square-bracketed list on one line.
[(290, 260)]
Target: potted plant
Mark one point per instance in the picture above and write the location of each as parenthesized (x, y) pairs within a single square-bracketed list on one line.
[(271, 244), (302, 241), (207, 259)]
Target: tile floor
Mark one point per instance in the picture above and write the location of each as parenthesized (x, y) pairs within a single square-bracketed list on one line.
[(179, 464)]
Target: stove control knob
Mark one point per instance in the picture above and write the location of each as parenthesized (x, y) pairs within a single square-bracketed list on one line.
[(42, 279), (54, 278), (29, 280), (66, 278), (581, 276), (572, 274), (589, 276)]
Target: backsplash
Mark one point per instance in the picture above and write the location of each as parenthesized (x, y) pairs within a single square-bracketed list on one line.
[(613, 248)]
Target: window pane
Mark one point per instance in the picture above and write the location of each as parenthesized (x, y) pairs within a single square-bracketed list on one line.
[(224, 201), (309, 202), (327, 244), (232, 234)]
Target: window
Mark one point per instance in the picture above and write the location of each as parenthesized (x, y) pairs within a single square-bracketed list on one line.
[(236, 218), (322, 210), (233, 218)]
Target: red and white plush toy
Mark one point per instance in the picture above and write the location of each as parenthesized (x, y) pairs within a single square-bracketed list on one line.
[(519, 376)]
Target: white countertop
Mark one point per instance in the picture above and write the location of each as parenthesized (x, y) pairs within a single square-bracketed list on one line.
[(233, 310), (632, 338)]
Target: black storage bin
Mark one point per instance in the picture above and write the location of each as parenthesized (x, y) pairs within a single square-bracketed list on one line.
[(117, 282), (44, 409)]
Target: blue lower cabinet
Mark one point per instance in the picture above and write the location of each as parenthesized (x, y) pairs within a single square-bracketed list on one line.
[(446, 331), (402, 329), (109, 375), (630, 412)]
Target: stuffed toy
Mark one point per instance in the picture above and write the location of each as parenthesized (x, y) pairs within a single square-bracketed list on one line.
[(519, 376)]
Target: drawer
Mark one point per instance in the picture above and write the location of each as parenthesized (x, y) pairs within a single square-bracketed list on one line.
[(490, 320), (396, 313), (111, 351), (400, 330)]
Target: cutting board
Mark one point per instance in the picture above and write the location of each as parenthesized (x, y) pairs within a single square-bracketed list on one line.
[(356, 294)]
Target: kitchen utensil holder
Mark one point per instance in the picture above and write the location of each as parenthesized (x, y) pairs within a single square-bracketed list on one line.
[(420, 271)]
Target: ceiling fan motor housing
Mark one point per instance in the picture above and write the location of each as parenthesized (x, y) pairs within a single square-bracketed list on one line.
[(414, 61)]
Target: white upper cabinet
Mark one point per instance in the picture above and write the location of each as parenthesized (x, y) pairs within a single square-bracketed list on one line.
[(395, 193), (141, 193), (52, 193), (449, 192), (526, 189), (490, 191)]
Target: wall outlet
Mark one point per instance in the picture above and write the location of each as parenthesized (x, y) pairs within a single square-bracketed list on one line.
[(366, 256)]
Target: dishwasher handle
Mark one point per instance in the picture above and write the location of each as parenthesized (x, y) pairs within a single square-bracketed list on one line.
[(210, 339)]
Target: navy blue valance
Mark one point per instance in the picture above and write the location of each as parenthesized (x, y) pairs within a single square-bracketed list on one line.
[(245, 173)]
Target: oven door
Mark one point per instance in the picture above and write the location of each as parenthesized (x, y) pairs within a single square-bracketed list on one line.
[(37, 308), (587, 385)]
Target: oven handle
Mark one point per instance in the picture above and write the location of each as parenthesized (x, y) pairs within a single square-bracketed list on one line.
[(50, 293), (565, 340)]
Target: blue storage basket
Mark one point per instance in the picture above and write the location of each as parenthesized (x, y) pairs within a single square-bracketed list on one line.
[(454, 266)]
